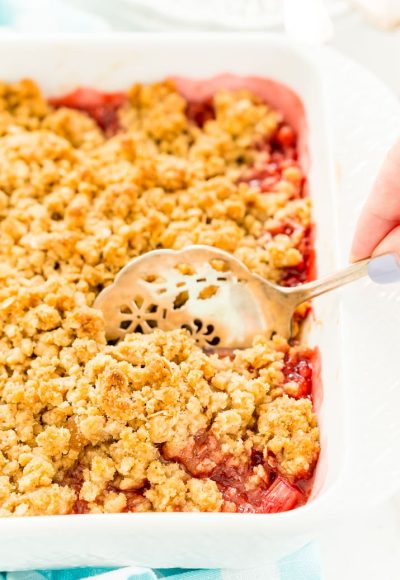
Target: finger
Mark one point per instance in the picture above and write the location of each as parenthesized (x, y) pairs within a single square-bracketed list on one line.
[(381, 212), (371, 230), (390, 243)]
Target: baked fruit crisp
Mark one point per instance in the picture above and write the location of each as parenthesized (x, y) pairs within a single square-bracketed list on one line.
[(151, 423)]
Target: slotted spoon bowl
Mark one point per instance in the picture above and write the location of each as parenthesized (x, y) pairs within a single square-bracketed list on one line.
[(214, 296)]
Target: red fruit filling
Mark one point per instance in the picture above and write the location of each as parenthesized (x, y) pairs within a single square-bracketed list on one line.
[(264, 178), (80, 507), (305, 270), (285, 136), (74, 478), (271, 494), (200, 112), (269, 175), (299, 369), (281, 154), (200, 457), (102, 107), (133, 499)]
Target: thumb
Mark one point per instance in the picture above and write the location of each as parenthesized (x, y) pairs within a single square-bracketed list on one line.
[(390, 243)]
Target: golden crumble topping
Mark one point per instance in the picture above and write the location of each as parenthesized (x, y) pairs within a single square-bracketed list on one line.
[(152, 423)]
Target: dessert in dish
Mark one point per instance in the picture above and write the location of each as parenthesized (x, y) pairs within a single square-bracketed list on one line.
[(151, 423)]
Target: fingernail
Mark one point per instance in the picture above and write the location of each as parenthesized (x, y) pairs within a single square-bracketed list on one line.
[(384, 269)]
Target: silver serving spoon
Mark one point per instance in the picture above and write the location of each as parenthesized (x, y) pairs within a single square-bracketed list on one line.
[(214, 296)]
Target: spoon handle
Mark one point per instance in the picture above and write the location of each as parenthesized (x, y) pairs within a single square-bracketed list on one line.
[(381, 269)]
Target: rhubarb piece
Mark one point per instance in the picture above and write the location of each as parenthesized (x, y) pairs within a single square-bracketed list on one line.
[(281, 496)]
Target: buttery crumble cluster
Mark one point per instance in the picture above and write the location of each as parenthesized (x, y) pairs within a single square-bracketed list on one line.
[(90, 427)]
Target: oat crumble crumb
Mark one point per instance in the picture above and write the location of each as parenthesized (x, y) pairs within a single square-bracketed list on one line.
[(91, 427)]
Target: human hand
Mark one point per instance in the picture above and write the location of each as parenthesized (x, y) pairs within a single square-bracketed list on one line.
[(378, 228)]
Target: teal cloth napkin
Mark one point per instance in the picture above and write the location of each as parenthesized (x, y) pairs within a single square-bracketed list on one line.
[(301, 565)]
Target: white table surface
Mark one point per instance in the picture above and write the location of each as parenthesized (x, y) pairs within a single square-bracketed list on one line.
[(376, 49), (367, 549)]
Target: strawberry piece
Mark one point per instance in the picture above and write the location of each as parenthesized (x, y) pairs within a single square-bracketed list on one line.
[(286, 136)]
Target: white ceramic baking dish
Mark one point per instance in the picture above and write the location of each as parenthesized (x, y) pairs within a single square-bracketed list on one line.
[(344, 481)]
